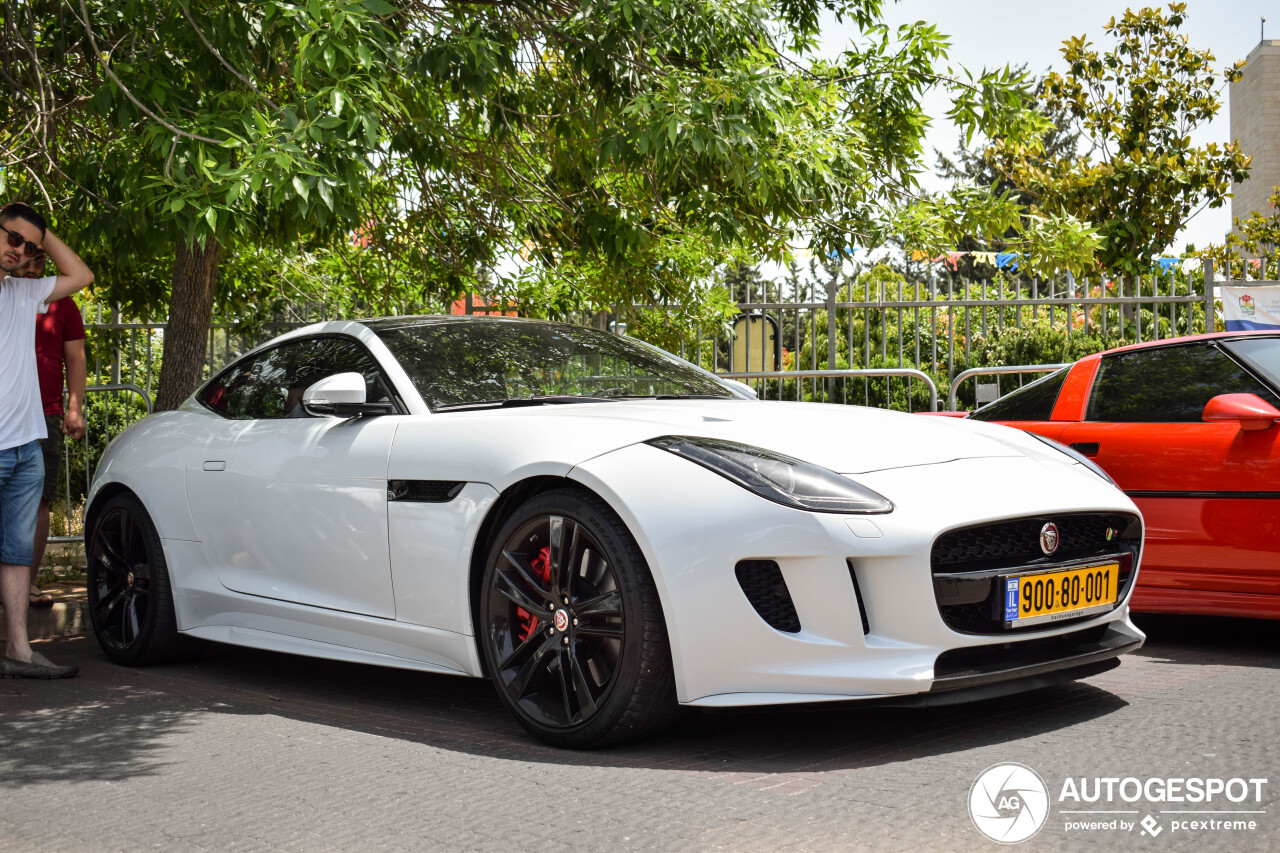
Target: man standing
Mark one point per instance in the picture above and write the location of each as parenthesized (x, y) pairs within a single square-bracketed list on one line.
[(59, 345), (25, 236)]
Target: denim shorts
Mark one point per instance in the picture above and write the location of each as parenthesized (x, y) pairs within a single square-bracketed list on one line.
[(21, 480)]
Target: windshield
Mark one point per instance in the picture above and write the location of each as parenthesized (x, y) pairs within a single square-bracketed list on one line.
[(492, 360), (1262, 355)]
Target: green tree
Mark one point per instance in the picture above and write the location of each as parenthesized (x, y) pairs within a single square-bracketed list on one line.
[(1256, 236), (974, 165), (629, 148), (188, 129), (1138, 105), (978, 166)]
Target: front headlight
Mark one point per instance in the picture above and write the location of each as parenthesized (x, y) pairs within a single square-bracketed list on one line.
[(779, 478)]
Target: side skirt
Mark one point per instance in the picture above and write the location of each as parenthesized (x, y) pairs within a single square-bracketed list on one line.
[(268, 641)]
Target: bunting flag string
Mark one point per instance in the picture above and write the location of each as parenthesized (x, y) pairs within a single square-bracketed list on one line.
[(1007, 260), (1012, 261)]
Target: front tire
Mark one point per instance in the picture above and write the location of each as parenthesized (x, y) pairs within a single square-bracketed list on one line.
[(571, 626), (130, 599)]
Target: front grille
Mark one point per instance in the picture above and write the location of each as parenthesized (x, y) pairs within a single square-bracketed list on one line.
[(765, 588), (967, 562)]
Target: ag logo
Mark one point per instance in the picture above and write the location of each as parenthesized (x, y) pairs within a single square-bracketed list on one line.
[(1049, 538), (1009, 803)]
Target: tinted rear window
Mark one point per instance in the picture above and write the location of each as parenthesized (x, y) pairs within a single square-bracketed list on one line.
[(1032, 402)]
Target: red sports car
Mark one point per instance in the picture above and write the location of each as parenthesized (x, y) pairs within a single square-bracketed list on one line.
[(1187, 427)]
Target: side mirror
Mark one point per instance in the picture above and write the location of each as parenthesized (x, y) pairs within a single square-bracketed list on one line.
[(1249, 410), (342, 394)]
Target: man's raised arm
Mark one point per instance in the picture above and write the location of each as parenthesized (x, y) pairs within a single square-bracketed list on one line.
[(73, 274)]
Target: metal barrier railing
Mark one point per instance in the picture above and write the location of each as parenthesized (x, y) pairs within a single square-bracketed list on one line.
[(994, 371), (84, 449), (907, 372)]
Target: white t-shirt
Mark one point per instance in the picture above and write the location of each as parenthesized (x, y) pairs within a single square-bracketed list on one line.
[(21, 414)]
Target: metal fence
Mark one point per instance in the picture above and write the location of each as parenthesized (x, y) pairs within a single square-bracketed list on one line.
[(868, 322)]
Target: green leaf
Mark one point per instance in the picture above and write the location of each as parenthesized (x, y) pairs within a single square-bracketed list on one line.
[(300, 187), (379, 7)]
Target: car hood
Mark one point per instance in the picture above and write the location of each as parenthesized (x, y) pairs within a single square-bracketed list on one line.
[(846, 439)]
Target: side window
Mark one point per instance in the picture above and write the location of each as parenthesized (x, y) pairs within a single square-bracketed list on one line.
[(1032, 402), (271, 384), (1167, 384), (254, 388), (321, 357)]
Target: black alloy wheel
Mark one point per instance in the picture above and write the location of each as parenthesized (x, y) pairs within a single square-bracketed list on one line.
[(130, 601), (573, 634)]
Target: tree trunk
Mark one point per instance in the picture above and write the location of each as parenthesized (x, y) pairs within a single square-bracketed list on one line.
[(186, 336)]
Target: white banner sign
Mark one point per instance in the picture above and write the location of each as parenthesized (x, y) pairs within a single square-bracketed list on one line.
[(1248, 308)]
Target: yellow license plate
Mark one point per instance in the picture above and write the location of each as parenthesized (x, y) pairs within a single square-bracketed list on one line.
[(1050, 596)]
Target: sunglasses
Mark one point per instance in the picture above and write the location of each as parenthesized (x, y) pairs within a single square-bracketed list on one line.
[(15, 240)]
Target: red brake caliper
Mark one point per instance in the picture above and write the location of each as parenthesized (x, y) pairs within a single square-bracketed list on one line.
[(541, 566)]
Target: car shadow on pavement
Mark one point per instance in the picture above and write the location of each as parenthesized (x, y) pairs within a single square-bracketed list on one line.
[(113, 722), (1210, 640)]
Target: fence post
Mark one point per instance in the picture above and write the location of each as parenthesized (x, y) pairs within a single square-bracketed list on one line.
[(1209, 313), (115, 359), (831, 335)]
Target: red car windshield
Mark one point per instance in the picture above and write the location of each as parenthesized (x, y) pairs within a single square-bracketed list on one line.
[(1261, 355)]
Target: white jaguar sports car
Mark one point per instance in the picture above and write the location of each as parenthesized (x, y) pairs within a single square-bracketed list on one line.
[(605, 531)]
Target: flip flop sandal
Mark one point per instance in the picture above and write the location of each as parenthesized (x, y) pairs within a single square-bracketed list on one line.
[(38, 598)]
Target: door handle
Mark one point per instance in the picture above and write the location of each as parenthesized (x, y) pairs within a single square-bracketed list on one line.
[(1087, 448), (215, 465)]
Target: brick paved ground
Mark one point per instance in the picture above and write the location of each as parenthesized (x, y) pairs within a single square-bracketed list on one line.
[(245, 750)]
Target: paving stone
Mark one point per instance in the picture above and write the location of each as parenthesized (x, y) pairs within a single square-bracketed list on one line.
[(252, 751)]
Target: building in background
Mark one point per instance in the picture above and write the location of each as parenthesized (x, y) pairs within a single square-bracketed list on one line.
[(1255, 124)]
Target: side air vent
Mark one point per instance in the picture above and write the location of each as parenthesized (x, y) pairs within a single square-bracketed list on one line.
[(857, 591), (762, 582), (423, 491)]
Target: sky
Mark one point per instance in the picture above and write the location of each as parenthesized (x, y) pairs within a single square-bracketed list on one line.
[(993, 33)]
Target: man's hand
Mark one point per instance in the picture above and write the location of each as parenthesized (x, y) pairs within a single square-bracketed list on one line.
[(73, 357), (73, 424)]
